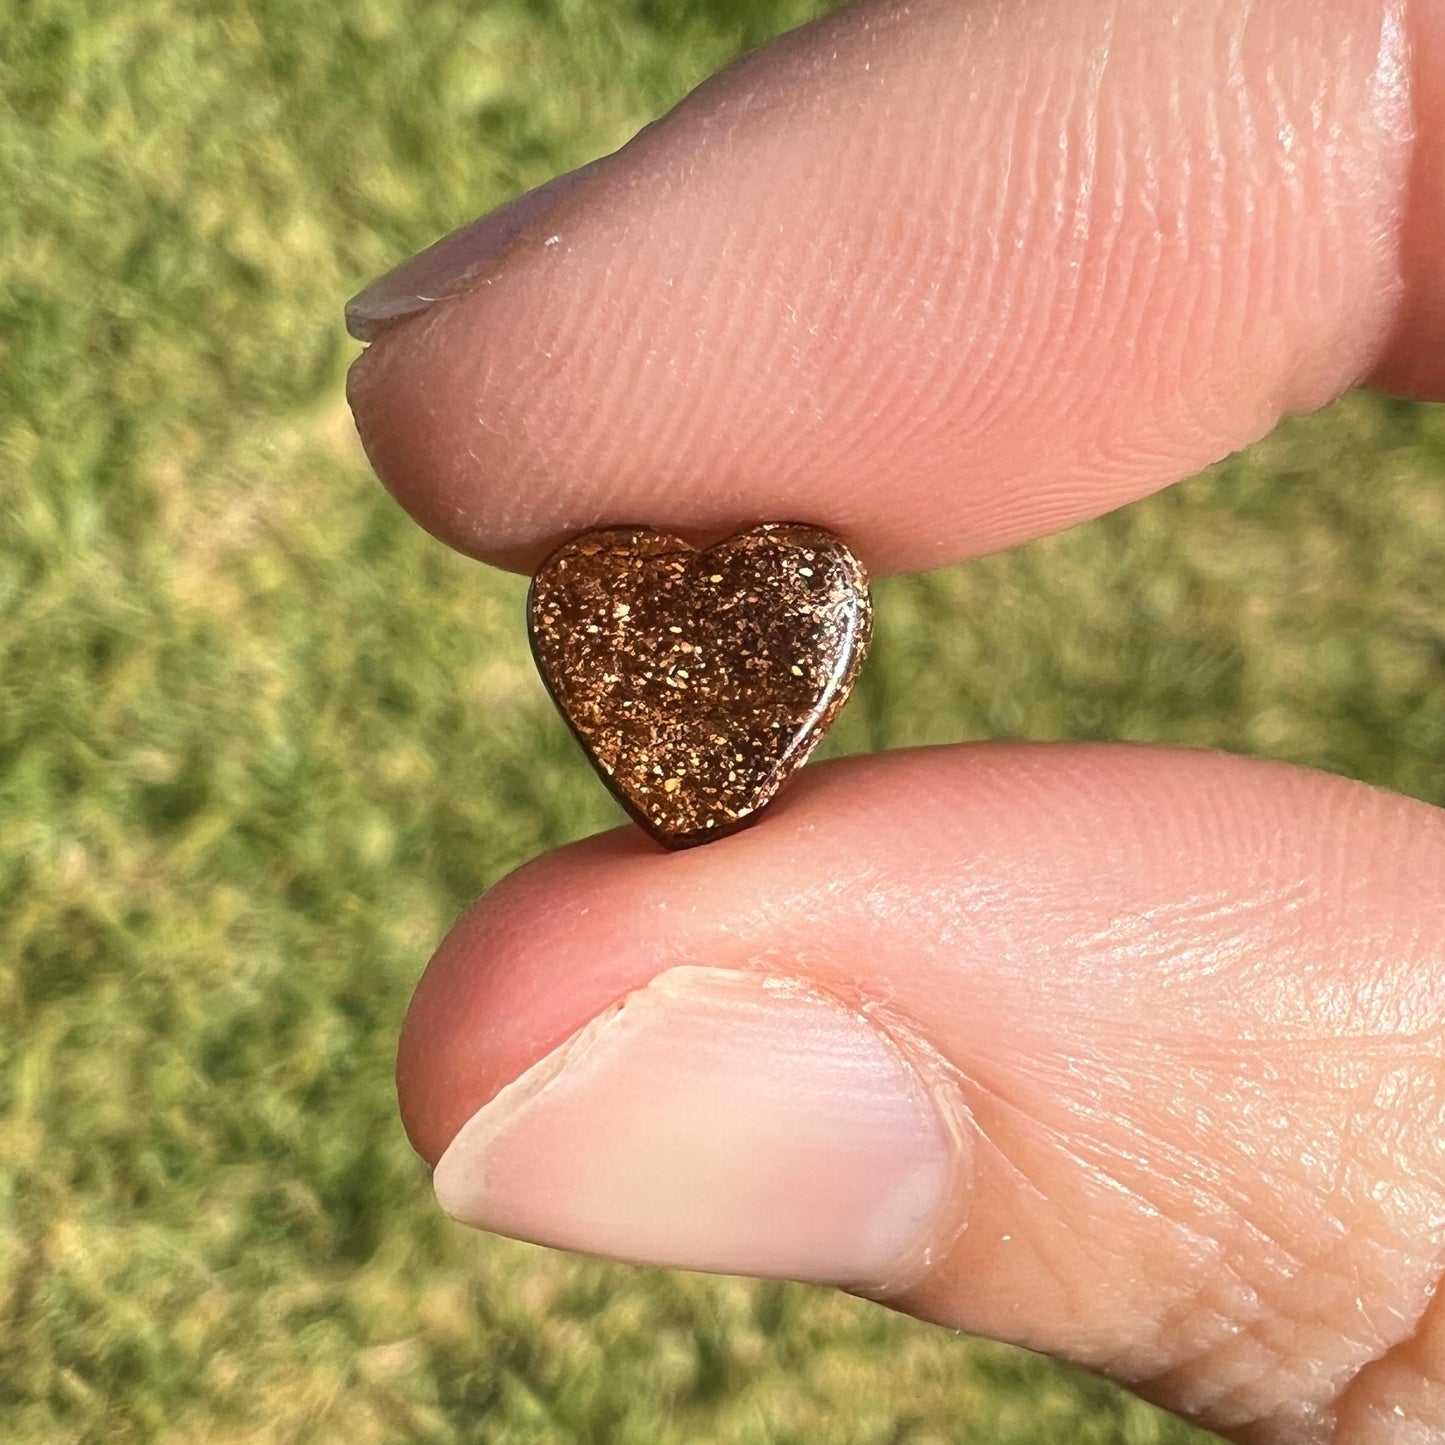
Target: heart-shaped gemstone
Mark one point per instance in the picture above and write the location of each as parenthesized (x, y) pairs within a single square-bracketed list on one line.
[(698, 681)]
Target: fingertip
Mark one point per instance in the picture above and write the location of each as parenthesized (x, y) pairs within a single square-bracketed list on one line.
[(529, 964), (940, 283), (408, 432)]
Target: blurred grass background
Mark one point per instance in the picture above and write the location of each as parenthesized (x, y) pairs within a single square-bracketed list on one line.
[(260, 740)]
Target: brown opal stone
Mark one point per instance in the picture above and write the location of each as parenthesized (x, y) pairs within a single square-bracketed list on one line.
[(698, 682)]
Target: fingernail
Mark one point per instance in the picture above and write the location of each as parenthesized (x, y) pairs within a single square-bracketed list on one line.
[(719, 1121), (450, 265)]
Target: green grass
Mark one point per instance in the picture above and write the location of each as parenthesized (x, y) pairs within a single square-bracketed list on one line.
[(260, 740)]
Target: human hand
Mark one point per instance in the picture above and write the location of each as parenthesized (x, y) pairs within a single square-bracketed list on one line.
[(1127, 1055)]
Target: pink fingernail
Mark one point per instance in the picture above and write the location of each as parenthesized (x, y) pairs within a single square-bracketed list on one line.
[(450, 265), (720, 1121)]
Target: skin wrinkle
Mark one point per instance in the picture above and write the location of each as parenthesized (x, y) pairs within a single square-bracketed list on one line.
[(1373, 1338), (986, 393), (554, 364), (1242, 205), (1140, 321), (1070, 340), (1283, 1309), (1040, 1194), (1382, 1324), (1091, 1085), (1165, 932), (1277, 1316), (1131, 299), (1225, 1216), (892, 249), (1400, 1399), (676, 429), (888, 243), (1054, 1250), (1391, 102), (981, 243), (1022, 362), (1273, 177), (813, 405), (1239, 205), (1235, 1367)]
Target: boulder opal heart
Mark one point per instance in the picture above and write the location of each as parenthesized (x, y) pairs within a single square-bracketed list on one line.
[(698, 681)]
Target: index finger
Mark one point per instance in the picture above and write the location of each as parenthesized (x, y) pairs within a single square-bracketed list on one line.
[(940, 277)]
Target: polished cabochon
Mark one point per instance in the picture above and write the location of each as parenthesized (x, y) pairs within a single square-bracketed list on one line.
[(698, 681)]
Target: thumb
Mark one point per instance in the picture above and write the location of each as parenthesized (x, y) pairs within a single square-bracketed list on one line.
[(776, 1128), (1129, 1056)]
